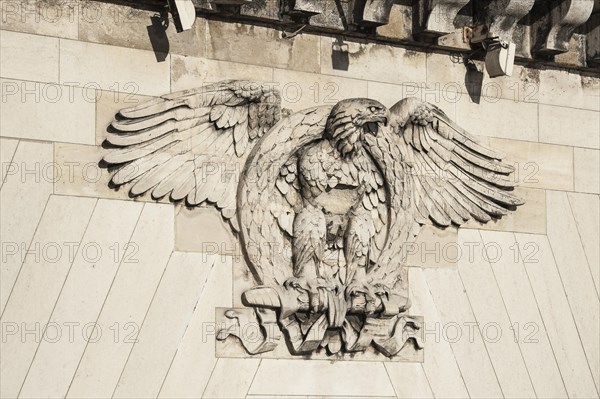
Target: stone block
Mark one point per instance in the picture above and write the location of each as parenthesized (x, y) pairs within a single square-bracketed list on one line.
[(126, 304), (29, 57), (190, 72), (7, 151), (47, 111), (43, 17), (221, 384), (23, 198), (434, 247), (576, 276), (377, 62), (529, 331), (440, 364), (587, 170), (567, 89), (80, 173), (285, 377), (447, 73), (538, 165), (202, 229), (142, 27), (300, 90), (39, 285), (490, 312), (528, 218), (113, 68), (549, 291), (179, 298), (586, 211), (94, 267), (258, 45), (496, 117), (194, 360), (456, 326), (569, 126), (389, 94)]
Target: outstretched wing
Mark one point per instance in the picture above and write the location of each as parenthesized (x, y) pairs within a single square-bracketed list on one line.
[(192, 144), (434, 170), (453, 176)]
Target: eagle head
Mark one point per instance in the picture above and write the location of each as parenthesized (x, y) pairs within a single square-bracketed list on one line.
[(351, 119)]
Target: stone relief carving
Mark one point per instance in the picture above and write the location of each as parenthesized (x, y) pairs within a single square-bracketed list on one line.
[(323, 201)]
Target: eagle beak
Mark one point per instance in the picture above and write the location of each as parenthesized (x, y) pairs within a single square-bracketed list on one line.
[(381, 118)]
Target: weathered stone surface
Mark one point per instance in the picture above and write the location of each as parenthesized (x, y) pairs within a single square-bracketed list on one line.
[(497, 117), (24, 195), (144, 261), (438, 16), (577, 279), (82, 175), (541, 166), (382, 63), (181, 303), (440, 365), (400, 23), (111, 226), (45, 17), (434, 248), (202, 229), (447, 74), (586, 211), (191, 72), (113, 68), (300, 90), (256, 45), (29, 57), (569, 89), (456, 315), (587, 170), (530, 218), (39, 285), (555, 22), (529, 330), (47, 111), (281, 377), (568, 126), (7, 151), (221, 384), (142, 28), (194, 360), (489, 310), (550, 297)]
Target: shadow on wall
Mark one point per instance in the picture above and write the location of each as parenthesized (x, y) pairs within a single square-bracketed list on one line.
[(157, 33)]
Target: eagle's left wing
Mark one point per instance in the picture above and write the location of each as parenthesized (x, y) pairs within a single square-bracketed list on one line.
[(434, 171), (454, 177)]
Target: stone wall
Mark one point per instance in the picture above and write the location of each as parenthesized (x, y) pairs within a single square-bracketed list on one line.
[(102, 295)]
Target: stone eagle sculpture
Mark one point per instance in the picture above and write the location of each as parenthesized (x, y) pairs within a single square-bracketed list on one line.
[(324, 203)]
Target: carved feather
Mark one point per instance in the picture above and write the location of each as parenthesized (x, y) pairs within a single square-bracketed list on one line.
[(184, 144)]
